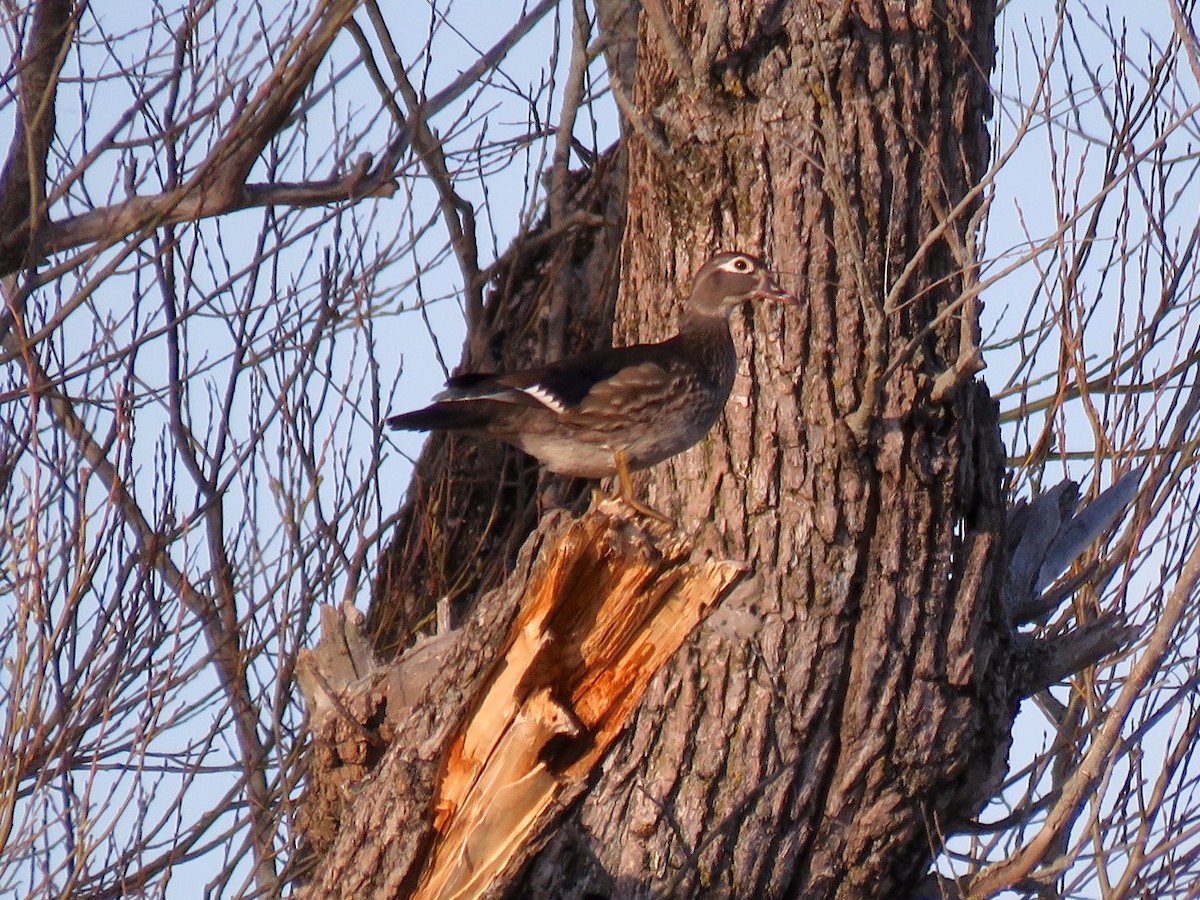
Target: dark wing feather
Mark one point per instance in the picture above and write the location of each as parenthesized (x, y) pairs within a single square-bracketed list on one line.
[(445, 416), (473, 399), (568, 384), (559, 386)]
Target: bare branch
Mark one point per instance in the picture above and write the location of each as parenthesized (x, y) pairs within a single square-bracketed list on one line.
[(112, 224)]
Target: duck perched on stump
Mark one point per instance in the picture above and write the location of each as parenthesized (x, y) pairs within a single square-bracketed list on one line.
[(610, 412)]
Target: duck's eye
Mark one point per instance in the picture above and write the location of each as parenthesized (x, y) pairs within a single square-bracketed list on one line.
[(741, 264)]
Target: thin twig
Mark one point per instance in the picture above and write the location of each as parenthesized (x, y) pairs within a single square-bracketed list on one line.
[(457, 213)]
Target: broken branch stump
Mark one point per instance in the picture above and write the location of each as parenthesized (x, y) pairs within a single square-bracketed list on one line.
[(492, 730)]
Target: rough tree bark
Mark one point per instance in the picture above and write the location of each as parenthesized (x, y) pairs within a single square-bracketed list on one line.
[(850, 704)]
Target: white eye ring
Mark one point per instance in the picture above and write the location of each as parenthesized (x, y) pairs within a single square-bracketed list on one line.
[(740, 264)]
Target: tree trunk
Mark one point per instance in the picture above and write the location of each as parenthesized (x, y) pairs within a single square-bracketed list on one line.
[(857, 715), (849, 703)]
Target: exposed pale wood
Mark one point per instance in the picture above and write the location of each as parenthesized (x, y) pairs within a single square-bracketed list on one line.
[(610, 609)]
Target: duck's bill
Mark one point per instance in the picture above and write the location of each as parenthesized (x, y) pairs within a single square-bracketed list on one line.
[(772, 291)]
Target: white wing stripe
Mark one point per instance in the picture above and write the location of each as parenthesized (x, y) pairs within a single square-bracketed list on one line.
[(547, 398), (502, 394)]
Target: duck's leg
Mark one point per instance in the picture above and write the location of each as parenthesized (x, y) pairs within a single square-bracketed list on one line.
[(626, 492)]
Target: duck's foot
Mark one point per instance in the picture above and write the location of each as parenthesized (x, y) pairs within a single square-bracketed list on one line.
[(600, 497), (629, 497)]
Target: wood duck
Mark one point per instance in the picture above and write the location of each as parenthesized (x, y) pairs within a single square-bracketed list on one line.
[(610, 412)]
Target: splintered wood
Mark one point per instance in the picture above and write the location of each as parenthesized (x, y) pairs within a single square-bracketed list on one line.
[(610, 605)]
